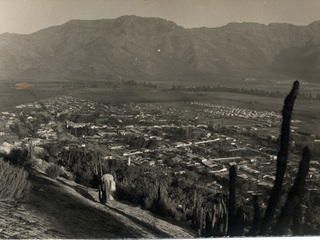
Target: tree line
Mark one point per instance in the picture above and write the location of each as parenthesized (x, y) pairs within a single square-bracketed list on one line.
[(243, 90)]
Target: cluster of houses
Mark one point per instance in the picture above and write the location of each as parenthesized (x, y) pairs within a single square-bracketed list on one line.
[(110, 126), (231, 111)]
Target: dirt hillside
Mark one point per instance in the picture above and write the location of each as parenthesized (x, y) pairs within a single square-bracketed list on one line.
[(63, 209)]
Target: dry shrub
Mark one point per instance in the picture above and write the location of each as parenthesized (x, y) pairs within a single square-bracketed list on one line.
[(13, 182), (53, 171)]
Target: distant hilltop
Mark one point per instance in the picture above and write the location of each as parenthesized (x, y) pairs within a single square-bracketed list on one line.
[(132, 47)]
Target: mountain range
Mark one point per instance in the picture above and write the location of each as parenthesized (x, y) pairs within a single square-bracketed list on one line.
[(132, 47)]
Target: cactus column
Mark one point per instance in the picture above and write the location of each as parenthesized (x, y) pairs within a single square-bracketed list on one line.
[(232, 199), (294, 195), (281, 159)]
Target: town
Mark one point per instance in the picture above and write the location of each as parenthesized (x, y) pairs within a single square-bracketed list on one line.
[(195, 136)]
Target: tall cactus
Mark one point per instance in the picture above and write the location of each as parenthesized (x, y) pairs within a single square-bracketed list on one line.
[(208, 227), (194, 198), (256, 219), (201, 221), (292, 206), (231, 220), (294, 195), (281, 159), (195, 213), (297, 220), (238, 227), (220, 218), (232, 199)]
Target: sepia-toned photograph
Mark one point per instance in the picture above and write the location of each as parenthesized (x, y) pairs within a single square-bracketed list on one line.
[(159, 119)]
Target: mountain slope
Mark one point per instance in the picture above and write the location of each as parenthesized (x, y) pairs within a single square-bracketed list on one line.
[(126, 47), (302, 62), (243, 47), (151, 48)]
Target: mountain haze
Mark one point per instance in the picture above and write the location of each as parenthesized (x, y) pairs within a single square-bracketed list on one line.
[(133, 47)]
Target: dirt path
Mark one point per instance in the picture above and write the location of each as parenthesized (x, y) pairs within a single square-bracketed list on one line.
[(63, 209)]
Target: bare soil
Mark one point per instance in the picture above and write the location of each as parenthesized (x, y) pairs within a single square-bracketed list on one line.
[(63, 209)]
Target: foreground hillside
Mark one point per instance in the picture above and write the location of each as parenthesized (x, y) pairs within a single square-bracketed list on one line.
[(151, 48), (63, 209)]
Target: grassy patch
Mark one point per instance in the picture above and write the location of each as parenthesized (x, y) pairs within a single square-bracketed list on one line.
[(53, 171), (13, 182)]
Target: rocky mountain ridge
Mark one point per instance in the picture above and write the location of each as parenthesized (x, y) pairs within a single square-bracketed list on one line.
[(133, 47)]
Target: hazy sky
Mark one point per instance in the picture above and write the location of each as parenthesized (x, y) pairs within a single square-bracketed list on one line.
[(26, 16)]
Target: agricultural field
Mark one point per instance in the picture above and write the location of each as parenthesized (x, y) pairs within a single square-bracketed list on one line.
[(10, 96), (306, 112)]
